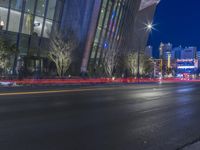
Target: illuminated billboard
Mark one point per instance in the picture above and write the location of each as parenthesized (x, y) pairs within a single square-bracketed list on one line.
[(188, 66)]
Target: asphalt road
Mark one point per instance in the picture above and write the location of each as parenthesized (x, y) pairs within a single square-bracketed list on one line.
[(144, 117)]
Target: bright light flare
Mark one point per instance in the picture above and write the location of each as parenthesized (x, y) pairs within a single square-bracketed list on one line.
[(149, 27), (2, 23)]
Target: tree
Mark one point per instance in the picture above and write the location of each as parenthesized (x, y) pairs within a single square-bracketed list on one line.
[(109, 63), (149, 67), (132, 63), (7, 51), (145, 64), (61, 52)]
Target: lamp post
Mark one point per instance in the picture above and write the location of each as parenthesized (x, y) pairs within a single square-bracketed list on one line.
[(148, 28)]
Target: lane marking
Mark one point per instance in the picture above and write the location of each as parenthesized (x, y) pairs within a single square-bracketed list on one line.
[(70, 91), (59, 91)]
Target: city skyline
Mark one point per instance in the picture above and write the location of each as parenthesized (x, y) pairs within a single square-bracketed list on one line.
[(176, 22)]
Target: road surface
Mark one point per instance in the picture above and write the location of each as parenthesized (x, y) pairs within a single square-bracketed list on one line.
[(126, 117)]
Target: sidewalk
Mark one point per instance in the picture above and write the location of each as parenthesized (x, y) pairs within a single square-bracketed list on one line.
[(195, 146)]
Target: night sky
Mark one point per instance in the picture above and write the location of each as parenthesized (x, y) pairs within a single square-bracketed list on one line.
[(177, 22)]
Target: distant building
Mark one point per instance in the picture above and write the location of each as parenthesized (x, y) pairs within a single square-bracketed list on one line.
[(178, 60), (177, 52), (186, 67), (158, 68), (149, 51), (198, 58), (198, 55), (189, 53), (165, 49)]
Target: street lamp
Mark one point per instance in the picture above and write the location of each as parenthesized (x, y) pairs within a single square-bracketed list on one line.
[(1, 24), (148, 28)]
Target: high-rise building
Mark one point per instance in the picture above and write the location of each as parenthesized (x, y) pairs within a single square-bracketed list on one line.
[(198, 58), (198, 55), (149, 51), (165, 49), (177, 52), (119, 28), (99, 26), (189, 53)]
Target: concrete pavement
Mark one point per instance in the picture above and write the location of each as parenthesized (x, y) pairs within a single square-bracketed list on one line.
[(195, 146)]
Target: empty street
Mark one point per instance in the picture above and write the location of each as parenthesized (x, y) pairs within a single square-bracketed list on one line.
[(133, 117)]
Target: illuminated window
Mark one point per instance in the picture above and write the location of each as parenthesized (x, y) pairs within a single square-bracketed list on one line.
[(30, 5), (41, 4), (37, 27), (51, 9), (14, 21), (16, 4), (47, 28), (4, 3), (3, 16)]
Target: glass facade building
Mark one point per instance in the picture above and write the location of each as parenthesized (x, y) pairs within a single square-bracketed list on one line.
[(114, 29), (98, 25), (28, 23), (108, 29), (117, 30)]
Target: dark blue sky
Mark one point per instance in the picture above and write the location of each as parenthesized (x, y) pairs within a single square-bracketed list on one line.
[(178, 22)]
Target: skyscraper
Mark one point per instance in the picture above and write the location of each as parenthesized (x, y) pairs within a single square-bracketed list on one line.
[(149, 51), (99, 26), (165, 49), (121, 23)]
